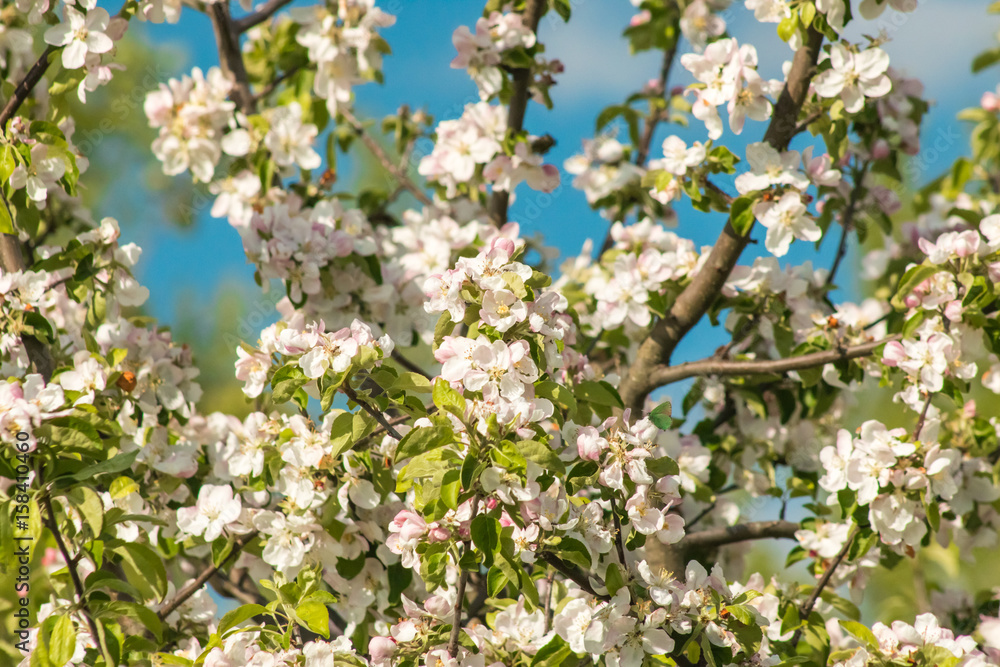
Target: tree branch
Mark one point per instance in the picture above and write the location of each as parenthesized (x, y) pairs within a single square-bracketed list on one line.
[(230, 56), (571, 572), (848, 219), (409, 365), (50, 522), (757, 530), (463, 580), (266, 11), (384, 160), (715, 366), (654, 115), (25, 87), (379, 417), (200, 580), (697, 297), (807, 607), (500, 200), (619, 539)]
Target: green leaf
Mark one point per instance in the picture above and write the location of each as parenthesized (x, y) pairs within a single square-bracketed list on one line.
[(486, 536), (740, 613), (613, 579), (541, 454), (447, 399), (913, 277), (787, 27), (599, 393), (861, 633), (556, 393), (553, 654), (121, 487), (116, 463), (422, 440), (807, 12), (443, 328), (573, 551), (143, 569), (496, 581), (663, 466), (315, 616), (660, 416), (741, 214), (286, 380), (89, 504), (62, 642), (414, 382), (985, 59)]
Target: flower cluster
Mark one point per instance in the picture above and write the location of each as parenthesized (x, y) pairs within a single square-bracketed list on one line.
[(727, 74), (602, 169), (481, 52), (312, 349), (343, 45), (193, 115), (897, 480), (470, 148)]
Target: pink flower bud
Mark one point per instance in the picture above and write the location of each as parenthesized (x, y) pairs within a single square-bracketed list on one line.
[(381, 648), (881, 150), (893, 354), (953, 311), (640, 18)]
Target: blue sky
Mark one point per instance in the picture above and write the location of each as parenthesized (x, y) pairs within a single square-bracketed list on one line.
[(185, 269)]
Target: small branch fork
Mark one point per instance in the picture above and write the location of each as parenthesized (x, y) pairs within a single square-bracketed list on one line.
[(692, 304), (378, 416), (25, 87), (200, 580)]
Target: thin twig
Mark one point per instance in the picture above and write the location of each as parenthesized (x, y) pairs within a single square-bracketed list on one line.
[(200, 580), (810, 119), (463, 580), (705, 512), (619, 545), (25, 87), (409, 365), (848, 219), (714, 366), (265, 12), (571, 572), (807, 607), (379, 417), (923, 417), (278, 80), (50, 522), (521, 80), (655, 115), (383, 158)]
